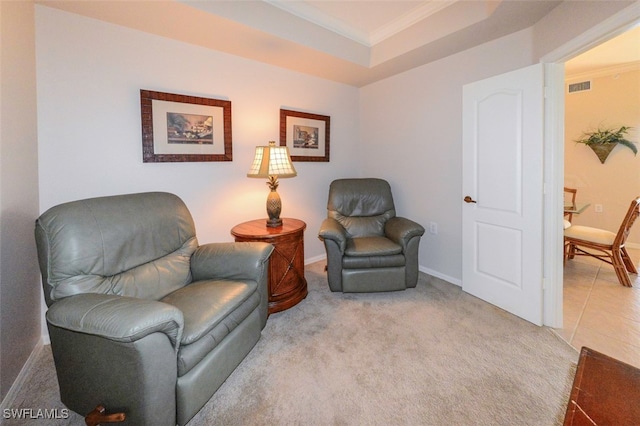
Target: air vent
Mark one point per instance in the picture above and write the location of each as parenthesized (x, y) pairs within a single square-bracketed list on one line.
[(580, 87)]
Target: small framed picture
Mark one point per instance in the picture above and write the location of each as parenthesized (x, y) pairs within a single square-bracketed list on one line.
[(306, 135), (183, 128)]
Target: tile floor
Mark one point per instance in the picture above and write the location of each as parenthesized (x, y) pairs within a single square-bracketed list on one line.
[(599, 312)]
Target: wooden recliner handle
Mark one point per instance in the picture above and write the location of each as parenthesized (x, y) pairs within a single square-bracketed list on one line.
[(98, 416)]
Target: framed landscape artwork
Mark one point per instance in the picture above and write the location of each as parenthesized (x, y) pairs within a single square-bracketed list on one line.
[(180, 128), (306, 135)]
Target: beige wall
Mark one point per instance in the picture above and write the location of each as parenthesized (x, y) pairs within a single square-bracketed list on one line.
[(614, 100), (20, 293)]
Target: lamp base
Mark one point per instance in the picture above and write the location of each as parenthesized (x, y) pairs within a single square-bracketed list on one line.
[(274, 205), (274, 223)]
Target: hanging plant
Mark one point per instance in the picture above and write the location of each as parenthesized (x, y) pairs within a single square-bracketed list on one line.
[(603, 140)]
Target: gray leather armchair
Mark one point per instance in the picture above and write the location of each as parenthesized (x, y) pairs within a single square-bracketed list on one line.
[(368, 247), (141, 318)]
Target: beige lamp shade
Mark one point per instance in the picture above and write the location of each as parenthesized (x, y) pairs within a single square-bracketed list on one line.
[(272, 160)]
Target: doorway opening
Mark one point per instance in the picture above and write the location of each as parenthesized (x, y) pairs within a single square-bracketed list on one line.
[(597, 310)]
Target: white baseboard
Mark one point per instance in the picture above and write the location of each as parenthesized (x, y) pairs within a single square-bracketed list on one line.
[(443, 277), (8, 400), (315, 259)]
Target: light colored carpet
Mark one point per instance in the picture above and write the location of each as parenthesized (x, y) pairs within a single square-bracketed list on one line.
[(426, 356)]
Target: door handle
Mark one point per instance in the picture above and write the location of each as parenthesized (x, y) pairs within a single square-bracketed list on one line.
[(468, 199)]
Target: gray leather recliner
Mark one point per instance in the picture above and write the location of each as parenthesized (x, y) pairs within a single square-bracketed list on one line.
[(368, 247), (141, 318)]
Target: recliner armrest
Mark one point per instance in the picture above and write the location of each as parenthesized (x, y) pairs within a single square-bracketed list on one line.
[(401, 230), (331, 229), (240, 261), (117, 318), (237, 261)]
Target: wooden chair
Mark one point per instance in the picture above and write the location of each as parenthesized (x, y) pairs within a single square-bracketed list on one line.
[(604, 245), (569, 193)]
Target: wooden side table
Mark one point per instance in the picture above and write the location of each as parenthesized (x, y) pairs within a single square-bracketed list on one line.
[(605, 391), (287, 285)]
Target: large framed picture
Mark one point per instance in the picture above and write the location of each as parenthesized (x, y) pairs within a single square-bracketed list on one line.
[(179, 128), (306, 135)]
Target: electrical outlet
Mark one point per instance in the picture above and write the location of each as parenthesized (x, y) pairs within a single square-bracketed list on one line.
[(598, 208), (433, 228)]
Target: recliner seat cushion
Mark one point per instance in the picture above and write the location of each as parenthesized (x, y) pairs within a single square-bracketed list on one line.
[(372, 252), (368, 262), (212, 309), (371, 246)]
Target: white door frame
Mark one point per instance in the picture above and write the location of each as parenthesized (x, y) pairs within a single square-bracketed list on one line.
[(554, 150)]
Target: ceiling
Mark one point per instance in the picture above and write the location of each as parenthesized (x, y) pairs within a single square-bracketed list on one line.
[(354, 42)]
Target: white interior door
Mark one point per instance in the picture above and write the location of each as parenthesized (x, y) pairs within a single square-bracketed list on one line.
[(503, 188)]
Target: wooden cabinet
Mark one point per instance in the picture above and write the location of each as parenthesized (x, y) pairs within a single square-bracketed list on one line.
[(287, 285)]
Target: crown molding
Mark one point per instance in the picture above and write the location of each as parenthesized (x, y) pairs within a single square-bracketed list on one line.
[(603, 72), (408, 19), (312, 14)]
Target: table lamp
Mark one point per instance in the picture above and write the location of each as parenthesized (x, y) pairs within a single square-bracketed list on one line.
[(272, 162)]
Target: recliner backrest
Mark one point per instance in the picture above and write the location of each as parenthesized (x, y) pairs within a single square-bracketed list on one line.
[(362, 206), (136, 245)]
